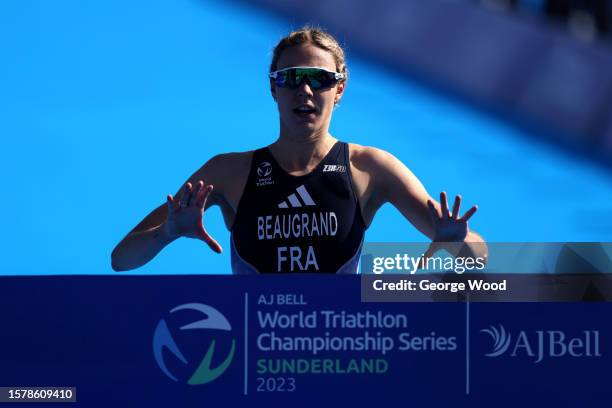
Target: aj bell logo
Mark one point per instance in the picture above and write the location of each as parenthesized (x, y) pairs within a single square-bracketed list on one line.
[(213, 323), (264, 171), (541, 344)]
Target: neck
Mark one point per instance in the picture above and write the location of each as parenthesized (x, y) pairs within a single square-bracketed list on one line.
[(301, 155)]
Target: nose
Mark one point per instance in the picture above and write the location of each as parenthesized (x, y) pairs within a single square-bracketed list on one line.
[(304, 88)]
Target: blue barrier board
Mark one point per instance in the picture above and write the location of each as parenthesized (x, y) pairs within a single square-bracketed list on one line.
[(193, 341)]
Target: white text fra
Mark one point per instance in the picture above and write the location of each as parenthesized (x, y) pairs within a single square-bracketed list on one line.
[(296, 259)]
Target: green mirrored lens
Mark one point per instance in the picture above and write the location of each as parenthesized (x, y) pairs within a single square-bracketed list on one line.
[(317, 78)]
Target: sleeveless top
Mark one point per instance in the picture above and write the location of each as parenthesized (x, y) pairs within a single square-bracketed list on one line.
[(309, 223)]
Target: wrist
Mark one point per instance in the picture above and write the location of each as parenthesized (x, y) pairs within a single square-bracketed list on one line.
[(164, 234), (470, 237)]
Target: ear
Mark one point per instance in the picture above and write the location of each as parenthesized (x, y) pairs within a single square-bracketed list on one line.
[(273, 89), (339, 91)]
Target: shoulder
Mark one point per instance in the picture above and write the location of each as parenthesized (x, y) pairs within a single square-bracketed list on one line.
[(227, 164), (371, 168), (228, 173), (225, 170), (230, 161), (370, 159), (383, 170)]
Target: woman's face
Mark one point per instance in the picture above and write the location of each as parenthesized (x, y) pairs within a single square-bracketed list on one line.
[(315, 122)]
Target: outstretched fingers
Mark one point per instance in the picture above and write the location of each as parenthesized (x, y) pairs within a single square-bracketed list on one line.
[(456, 207), (171, 204), (196, 191), (444, 205), (185, 196), (468, 214), (203, 196)]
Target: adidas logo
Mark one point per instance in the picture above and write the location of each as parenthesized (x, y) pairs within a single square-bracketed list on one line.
[(295, 202)]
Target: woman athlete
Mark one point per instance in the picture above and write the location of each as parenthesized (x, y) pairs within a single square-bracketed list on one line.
[(303, 203)]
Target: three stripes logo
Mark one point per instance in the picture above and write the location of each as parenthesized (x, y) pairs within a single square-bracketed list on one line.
[(294, 201)]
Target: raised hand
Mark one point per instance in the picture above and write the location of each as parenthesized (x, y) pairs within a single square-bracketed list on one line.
[(449, 227), (185, 214)]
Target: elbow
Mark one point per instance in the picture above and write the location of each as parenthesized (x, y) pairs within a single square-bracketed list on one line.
[(116, 267), (116, 263)]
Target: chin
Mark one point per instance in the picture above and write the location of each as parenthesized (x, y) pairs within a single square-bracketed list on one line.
[(304, 132), (298, 125), (303, 129)]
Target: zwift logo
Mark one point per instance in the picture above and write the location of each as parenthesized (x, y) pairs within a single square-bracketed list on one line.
[(212, 323), (541, 344)]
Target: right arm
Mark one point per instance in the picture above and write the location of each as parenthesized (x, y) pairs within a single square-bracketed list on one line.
[(177, 217)]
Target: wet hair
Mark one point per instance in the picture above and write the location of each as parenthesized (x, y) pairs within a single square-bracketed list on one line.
[(315, 36)]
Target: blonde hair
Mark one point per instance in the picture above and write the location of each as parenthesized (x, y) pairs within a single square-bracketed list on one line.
[(317, 37)]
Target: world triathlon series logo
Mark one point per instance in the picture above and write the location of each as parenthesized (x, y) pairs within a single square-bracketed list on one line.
[(264, 173), (264, 169), (191, 337)]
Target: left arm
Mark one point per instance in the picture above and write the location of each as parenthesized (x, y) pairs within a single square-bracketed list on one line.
[(389, 180)]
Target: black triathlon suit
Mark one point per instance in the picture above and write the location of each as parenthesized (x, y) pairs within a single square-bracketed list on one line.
[(310, 223)]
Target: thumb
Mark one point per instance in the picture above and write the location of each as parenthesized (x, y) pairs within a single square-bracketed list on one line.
[(210, 241)]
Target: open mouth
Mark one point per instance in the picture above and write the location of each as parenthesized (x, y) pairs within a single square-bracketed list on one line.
[(304, 110)]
